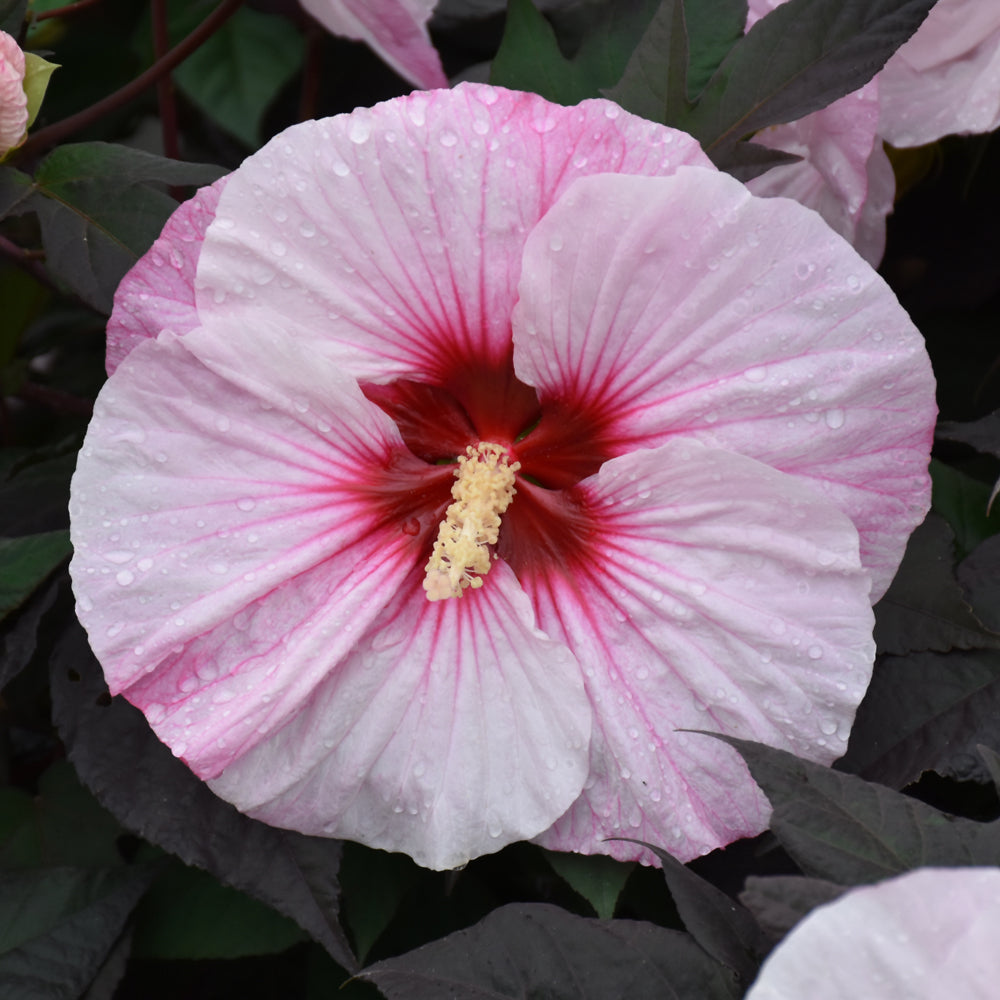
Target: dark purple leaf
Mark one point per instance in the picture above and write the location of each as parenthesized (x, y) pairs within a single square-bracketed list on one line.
[(531, 952), (152, 793)]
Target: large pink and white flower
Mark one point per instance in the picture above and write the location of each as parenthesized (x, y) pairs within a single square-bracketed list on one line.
[(946, 79), (395, 29), (675, 410), (13, 100), (927, 935)]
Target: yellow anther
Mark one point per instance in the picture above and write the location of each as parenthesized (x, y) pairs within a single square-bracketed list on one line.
[(483, 491)]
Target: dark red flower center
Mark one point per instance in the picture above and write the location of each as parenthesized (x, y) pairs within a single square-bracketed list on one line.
[(557, 444)]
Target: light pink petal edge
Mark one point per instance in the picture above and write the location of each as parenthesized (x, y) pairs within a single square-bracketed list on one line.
[(451, 730), (395, 29), (723, 596), (222, 549), (927, 935), (390, 239), (683, 305), (844, 173), (158, 292)]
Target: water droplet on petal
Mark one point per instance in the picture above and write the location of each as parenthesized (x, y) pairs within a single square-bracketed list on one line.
[(124, 578), (834, 419), (246, 503)]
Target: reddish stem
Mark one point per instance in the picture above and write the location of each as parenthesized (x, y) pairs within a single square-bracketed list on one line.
[(55, 133), (165, 85), (67, 11)]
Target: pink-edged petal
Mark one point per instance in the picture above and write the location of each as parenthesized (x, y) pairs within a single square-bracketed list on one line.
[(226, 544), (452, 729), (13, 99), (716, 594), (844, 173), (395, 29), (158, 292), (930, 934), (946, 79), (390, 239), (684, 305)]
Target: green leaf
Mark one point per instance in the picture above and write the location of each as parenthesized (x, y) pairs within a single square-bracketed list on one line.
[(654, 84), (526, 950), (100, 208), (720, 925), (23, 298), (15, 190), (62, 825), (596, 877), (924, 608), (236, 75), (58, 925), (373, 883), (927, 712), (962, 501), (37, 72), (713, 27), (798, 59), (530, 58), (839, 827), (25, 563), (188, 915)]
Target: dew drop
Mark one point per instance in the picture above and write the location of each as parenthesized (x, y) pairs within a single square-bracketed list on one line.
[(834, 419), (246, 503), (755, 374), (222, 424), (124, 578), (556, 243), (448, 138), (359, 131)]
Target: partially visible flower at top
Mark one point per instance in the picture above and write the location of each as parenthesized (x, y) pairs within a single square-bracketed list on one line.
[(13, 100), (930, 934), (844, 173), (946, 79), (484, 444), (24, 78), (395, 29)]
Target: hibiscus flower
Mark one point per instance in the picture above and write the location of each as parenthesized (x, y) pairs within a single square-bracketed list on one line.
[(13, 100), (927, 935), (484, 444)]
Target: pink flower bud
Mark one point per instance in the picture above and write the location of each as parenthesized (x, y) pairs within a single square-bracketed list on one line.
[(13, 100)]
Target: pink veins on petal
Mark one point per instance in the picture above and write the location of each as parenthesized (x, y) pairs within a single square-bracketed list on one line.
[(700, 398)]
